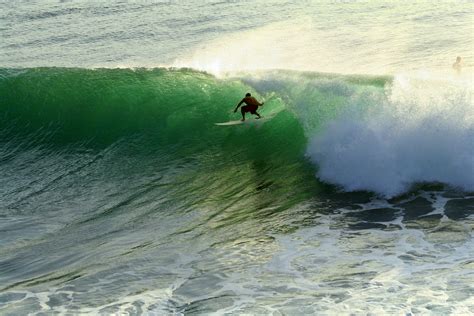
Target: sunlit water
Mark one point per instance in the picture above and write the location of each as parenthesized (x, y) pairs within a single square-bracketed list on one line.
[(352, 37)]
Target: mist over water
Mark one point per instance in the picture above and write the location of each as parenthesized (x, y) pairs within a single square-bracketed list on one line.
[(119, 195)]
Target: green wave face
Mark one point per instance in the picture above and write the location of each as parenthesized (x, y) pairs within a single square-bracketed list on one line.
[(153, 124), (110, 103), (101, 106)]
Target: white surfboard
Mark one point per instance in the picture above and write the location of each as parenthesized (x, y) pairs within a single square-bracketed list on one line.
[(230, 123), (247, 121)]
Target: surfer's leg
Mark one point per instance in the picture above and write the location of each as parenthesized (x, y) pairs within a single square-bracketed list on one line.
[(254, 112), (242, 110)]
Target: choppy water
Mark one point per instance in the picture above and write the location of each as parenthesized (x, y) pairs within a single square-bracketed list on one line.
[(119, 194)]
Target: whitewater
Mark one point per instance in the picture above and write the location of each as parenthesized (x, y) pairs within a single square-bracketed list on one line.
[(119, 194)]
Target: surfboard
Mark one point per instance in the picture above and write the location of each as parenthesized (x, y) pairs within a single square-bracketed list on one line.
[(247, 121), (230, 123)]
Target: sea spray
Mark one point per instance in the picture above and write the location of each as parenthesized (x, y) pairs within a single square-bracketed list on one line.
[(419, 130)]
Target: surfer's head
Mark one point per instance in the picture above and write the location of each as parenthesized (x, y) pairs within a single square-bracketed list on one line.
[(248, 94)]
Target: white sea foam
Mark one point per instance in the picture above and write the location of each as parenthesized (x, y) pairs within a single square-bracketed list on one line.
[(421, 130)]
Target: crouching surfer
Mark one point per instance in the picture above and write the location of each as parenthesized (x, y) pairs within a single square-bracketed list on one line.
[(251, 106)]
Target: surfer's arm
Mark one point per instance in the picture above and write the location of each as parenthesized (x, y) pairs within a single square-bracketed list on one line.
[(238, 105)]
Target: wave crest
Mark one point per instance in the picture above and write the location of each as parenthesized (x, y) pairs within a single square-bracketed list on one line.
[(417, 130)]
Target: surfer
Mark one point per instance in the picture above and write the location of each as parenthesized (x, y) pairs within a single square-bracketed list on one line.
[(251, 106), (458, 65)]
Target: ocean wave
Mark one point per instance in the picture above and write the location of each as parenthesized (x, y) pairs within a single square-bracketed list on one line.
[(375, 133)]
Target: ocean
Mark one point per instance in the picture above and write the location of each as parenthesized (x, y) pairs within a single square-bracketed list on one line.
[(120, 196)]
